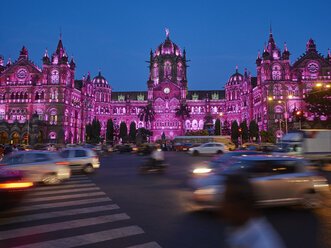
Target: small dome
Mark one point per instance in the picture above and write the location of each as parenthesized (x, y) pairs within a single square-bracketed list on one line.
[(100, 81), (236, 78)]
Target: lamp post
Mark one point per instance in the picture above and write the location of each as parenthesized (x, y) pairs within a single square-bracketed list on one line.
[(221, 114), (285, 108)]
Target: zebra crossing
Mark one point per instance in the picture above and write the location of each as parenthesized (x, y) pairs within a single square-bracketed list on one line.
[(76, 213)]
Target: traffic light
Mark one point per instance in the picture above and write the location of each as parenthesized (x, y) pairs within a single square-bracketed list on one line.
[(298, 113), (240, 130)]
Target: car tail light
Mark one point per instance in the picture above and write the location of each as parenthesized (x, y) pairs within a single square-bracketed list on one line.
[(96, 157), (17, 185), (63, 162)]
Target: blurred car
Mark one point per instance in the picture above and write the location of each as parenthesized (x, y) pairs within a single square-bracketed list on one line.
[(39, 166), (13, 187), (125, 148), (277, 181), (218, 163), (208, 148), (145, 149), (81, 159)]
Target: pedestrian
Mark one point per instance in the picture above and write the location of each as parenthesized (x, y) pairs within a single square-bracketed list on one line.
[(247, 229)]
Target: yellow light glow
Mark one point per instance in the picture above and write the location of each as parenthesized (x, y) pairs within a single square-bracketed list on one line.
[(221, 114), (279, 101), (15, 185), (328, 86), (290, 96), (319, 85), (269, 98), (201, 170)]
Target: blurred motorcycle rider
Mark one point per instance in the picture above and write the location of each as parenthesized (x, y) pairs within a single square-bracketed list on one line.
[(157, 157)]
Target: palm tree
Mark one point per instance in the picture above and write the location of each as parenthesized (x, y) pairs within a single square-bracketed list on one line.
[(183, 112), (147, 114)]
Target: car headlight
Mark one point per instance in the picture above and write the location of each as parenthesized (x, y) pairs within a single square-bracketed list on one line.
[(202, 170)]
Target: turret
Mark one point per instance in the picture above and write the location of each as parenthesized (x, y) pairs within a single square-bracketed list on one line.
[(258, 60), (72, 63), (46, 60), (311, 47), (286, 53), (24, 53), (329, 56)]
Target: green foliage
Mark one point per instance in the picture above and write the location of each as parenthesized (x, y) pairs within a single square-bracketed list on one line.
[(147, 114), (132, 132), (202, 132), (217, 127), (143, 134), (95, 133), (268, 137), (163, 137), (182, 111), (110, 131), (234, 132), (88, 132), (226, 128), (318, 102), (253, 130), (123, 131), (244, 131)]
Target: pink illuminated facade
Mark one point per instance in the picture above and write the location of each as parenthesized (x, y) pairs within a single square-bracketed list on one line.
[(49, 105)]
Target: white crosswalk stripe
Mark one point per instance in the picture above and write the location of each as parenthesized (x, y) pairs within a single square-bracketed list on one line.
[(88, 239), (51, 210), (64, 191), (60, 204), (50, 188), (147, 245), (55, 214), (63, 197)]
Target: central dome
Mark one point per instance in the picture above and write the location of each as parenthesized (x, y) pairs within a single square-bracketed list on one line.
[(168, 47), (100, 81)]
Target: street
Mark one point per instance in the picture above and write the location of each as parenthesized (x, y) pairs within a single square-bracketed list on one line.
[(117, 207)]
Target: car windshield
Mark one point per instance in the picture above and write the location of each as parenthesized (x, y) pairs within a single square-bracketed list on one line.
[(283, 147)]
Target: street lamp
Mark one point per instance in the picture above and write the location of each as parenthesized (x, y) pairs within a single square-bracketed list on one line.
[(319, 85), (285, 108), (221, 114)]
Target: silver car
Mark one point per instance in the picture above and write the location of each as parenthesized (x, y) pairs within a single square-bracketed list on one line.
[(81, 159), (39, 166), (277, 181)]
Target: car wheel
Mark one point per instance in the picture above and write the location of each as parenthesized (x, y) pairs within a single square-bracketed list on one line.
[(311, 200), (88, 169), (51, 179), (196, 153), (219, 152)]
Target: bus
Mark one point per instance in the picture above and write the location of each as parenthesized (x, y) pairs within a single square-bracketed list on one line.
[(182, 143)]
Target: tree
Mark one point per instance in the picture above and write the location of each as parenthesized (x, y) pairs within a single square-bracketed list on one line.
[(95, 132), (318, 102), (253, 130), (182, 112), (163, 137), (226, 128), (147, 114), (88, 132), (244, 131), (143, 134), (123, 131), (234, 132), (110, 131), (218, 130), (132, 132)]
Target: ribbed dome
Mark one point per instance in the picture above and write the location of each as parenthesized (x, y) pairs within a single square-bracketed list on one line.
[(100, 81), (168, 47), (235, 78)]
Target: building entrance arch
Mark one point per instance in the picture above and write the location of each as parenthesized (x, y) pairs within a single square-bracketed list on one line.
[(15, 138), (3, 138)]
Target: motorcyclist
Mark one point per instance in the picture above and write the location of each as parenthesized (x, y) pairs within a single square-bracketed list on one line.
[(157, 157)]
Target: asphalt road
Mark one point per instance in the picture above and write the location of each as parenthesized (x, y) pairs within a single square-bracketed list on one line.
[(117, 207)]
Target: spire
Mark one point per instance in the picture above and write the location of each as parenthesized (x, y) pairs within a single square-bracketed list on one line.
[(59, 48), (99, 72), (329, 55), (311, 45), (46, 54), (329, 52), (285, 47), (236, 68), (72, 63), (9, 61), (167, 33), (88, 76), (24, 53), (259, 54), (245, 72)]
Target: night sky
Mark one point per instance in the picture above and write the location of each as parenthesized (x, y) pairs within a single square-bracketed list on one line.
[(117, 36)]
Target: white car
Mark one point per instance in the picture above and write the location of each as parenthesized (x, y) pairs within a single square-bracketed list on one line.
[(39, 166), (81, 159), (208, 149)]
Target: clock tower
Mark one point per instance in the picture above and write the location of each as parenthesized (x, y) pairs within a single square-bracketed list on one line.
[(167, 85)]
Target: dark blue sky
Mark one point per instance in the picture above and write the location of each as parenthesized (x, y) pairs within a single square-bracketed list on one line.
[(117, 35)]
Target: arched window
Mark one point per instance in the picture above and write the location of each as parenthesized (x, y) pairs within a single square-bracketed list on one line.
[(37, 96)]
